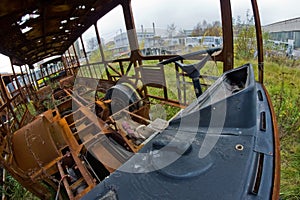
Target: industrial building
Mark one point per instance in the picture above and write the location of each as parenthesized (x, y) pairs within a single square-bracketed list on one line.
[(285, 30)]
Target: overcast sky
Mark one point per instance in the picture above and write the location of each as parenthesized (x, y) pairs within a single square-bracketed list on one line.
[(185, 14)]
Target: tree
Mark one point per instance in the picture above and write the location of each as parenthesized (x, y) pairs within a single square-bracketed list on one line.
[(214, 29), (198, 30), (245, 42)]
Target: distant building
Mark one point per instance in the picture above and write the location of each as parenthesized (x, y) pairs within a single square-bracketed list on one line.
[(122, 43), (285, 30), (121, 40)]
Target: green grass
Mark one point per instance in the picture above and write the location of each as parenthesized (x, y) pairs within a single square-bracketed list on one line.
[(14, 190), (282, 80)]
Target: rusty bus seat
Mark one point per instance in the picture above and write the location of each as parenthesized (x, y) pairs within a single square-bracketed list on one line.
[(44, 92), (44, 98), (33, 146), (67, 82)]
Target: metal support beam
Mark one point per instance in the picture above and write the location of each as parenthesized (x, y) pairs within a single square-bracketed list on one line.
[(72, 66), (260, 51), (227, 53), (101, 50), (84, 52), (99, 43), (130, 27), (76, 56), (85, 55), (25, 84)]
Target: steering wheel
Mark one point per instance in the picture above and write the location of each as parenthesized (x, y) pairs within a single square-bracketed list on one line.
[(193, 70)]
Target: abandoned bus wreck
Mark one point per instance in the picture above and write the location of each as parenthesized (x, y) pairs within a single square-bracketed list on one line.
[(131, 126)]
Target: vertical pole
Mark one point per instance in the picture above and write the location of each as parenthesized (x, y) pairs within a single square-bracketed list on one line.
[(29, 76), (64, 180), (71, 60), (130, 26), (77, 60), (227, 53), (83, 48), (260, 51), (25, 84), (99, 43), (135, 57), (48, 75), (43, 76), (3, 90), (85, 55), (4, 185), (35, 79), (101, 51), (11, 80), (31, 81), (65, 62), (76, 56)]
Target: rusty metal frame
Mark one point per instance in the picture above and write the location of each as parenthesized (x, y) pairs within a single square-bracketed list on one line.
[(259, 39), (135, 61), (276, 174)]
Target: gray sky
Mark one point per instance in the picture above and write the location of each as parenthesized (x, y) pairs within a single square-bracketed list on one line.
[(185, 14)]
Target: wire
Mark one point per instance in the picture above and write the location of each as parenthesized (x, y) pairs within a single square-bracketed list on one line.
[(59, 183)]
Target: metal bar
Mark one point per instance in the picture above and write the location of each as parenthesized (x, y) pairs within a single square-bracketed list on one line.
[(65, 181), (169, 102), (122, 67), (76, 56), (130, 26), (4, 92), (78, 62), (72, 66), (100, 48), (84, 172), (178, 83), (260, 51), (43, 76), (65, 62), (99, 43), (4, 185), (112, 68), (84, 52), (87, 162), (94, 70), (11, 80), (276, 179), (48, 75), (8, 101), (26, 88), (227, 54), (29, 76), (135, 115), (35, 79)]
